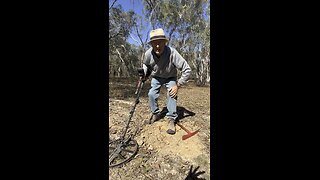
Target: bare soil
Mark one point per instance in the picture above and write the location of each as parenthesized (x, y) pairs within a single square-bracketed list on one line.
[(160, 155)]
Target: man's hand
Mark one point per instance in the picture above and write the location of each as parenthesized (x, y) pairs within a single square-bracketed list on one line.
[(173, 91), (141, 74)]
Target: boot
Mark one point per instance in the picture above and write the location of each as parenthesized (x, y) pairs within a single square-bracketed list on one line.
[(171, 127), (155, 117)]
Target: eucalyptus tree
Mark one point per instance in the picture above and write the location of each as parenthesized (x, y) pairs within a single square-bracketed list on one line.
[(120, 26), (137, 36), (187, 25)]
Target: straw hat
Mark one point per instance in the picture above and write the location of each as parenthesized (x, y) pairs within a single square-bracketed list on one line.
[(157, 34)]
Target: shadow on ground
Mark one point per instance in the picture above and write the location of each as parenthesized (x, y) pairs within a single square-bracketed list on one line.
[(181, 111), (194, 175)]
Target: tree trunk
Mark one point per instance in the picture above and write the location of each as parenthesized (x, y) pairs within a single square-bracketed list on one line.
[(208, 68)]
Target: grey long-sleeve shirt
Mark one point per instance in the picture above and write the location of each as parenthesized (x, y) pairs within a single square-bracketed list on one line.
[(167, 64)]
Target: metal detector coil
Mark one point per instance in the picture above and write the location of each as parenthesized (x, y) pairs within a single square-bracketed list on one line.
[(121, 152)]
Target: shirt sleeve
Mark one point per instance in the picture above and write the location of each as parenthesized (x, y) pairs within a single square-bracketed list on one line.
[(146, 64), (183, 66)]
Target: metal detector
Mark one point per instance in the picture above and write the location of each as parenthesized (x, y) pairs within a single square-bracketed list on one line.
[(125, 148)]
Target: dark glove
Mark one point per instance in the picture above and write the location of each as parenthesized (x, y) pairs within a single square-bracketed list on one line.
[(141, 72)]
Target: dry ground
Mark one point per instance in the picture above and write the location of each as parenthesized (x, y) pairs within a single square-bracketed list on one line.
[(160, 155)]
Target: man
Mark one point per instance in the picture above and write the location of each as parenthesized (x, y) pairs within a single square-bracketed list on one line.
[(162, 62)]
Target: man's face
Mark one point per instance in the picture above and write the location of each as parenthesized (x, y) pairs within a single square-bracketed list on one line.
[(158, 46)]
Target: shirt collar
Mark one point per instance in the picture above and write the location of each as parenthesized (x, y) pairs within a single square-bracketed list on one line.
[(164, 52)]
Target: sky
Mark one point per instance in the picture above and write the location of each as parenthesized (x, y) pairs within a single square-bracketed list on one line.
[(137, 7)]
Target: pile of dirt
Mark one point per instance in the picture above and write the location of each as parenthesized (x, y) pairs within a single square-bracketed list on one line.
[(160, 155)]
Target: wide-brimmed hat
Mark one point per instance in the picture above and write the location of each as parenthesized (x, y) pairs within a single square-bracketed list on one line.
[(157, 34)]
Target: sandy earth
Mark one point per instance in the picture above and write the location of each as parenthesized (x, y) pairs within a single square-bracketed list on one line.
[(160, 155)]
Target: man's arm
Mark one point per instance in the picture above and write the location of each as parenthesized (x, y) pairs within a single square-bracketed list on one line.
[(183, 66), (147, 70), (146, 64)]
